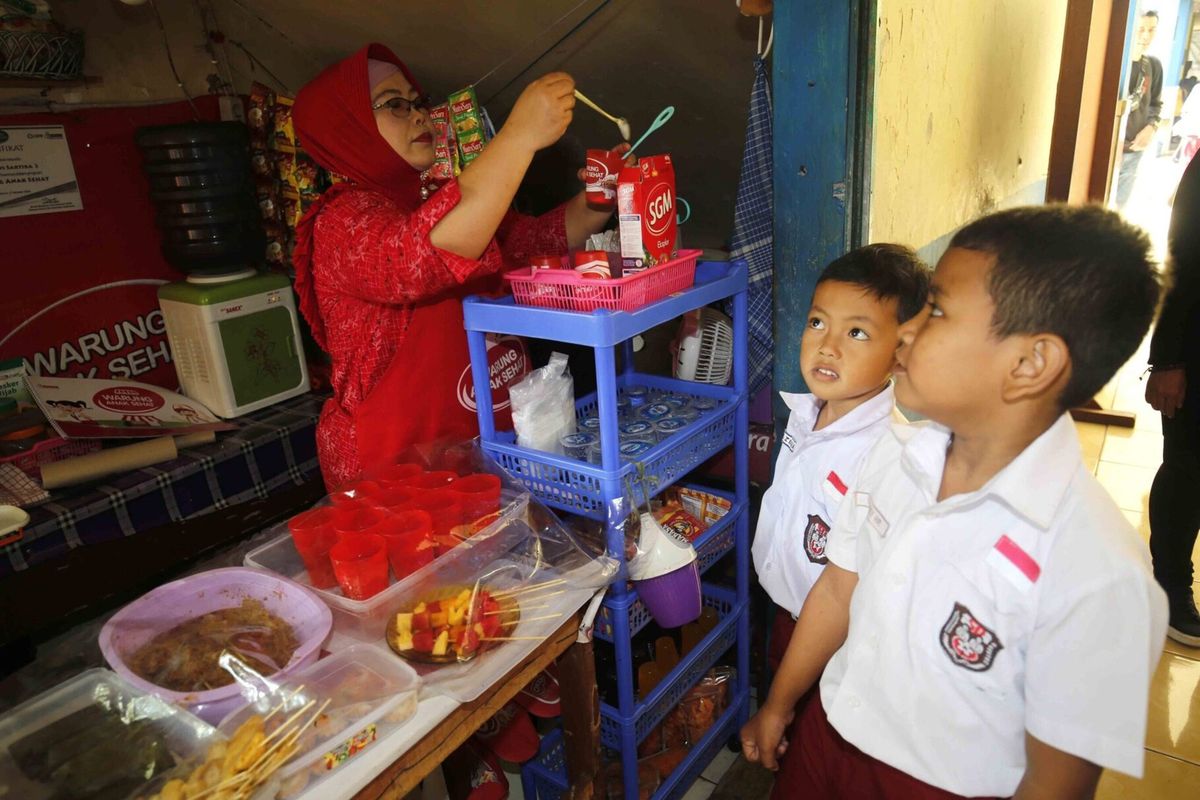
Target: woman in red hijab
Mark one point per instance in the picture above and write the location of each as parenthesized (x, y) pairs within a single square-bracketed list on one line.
[(381, 271)]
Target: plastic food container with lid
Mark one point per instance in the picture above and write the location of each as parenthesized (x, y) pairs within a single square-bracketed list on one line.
[(30, 733), (371, 694), (174, 603), (366, 620)]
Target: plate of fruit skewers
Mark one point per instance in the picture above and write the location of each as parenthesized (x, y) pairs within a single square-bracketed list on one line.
[(454, 624)]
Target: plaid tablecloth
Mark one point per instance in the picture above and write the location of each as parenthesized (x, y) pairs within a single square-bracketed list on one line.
[(271, 448)]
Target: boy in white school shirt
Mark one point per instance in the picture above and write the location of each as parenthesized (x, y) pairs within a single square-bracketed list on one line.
[(988, 624), (846, 358)]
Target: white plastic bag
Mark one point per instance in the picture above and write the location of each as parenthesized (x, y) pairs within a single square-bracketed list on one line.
[(543, 406)]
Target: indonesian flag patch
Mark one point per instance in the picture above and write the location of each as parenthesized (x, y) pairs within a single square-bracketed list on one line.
[(834, 486), (1014, 564), (816, 534), (968, 642)]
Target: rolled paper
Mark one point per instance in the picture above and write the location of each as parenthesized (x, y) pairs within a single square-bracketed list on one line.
[(72, 471)]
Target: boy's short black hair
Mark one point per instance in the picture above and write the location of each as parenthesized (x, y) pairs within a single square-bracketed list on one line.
[(1079, 272), (887, 271)]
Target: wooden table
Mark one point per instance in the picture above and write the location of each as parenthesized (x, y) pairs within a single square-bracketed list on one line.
[(580, 719)]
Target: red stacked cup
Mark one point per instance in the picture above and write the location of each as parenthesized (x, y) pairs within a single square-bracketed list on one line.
[(394, 498), (479, 494), (398, 474), (409, 539), (314, 536), (445, 509), (356, 492), (432, 480), (360, 564), (356, 520)]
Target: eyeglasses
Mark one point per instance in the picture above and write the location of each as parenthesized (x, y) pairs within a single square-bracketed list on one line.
[(401, 106)]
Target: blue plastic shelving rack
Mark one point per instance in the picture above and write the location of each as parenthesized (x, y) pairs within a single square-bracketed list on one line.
[(592, 490)]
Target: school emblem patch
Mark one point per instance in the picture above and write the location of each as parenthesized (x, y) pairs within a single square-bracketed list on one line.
[(967, 642), (815, 536)]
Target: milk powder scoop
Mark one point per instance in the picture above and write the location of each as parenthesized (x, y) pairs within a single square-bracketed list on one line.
[(621, 122), (659, 121)]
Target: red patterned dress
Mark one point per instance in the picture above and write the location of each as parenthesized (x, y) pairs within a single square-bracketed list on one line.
[(379, 283)]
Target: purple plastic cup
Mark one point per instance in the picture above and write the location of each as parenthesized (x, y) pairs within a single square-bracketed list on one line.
[(673, 599)]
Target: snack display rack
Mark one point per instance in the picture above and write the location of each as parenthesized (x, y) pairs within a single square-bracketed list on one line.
[(598, 491)]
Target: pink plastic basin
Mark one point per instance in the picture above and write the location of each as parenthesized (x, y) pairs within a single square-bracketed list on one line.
[(171, 604)]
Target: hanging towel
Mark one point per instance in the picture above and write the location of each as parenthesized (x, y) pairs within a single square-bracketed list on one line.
[(753, 237)]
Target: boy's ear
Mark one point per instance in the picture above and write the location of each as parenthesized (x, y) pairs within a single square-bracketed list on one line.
[(1042, 366)]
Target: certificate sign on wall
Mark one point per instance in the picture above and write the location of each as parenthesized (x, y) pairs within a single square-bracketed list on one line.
[(36, 173)]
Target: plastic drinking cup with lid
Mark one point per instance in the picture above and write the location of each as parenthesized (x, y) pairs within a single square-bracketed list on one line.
[(635, 449), (590, 425), (637, 395), (655, 411), (669, 426), (704, 404), (575, 445), (638, 429)]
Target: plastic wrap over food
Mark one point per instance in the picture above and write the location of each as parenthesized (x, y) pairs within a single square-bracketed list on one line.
[(94, 737)]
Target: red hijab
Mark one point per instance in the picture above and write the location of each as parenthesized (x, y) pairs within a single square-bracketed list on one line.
[(336, 126)]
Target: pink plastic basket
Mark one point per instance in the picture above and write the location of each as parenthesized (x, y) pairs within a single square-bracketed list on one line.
[(568, 290), (48, 451)]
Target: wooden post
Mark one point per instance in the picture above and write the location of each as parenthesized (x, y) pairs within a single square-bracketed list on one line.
[(813, 87), (581, 718)]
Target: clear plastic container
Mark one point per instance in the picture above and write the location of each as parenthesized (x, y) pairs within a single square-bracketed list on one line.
[(371, 694), (652, 412), (669, 426), (366, 620), (577, 445), (176, 731), (638, 429), (172, 604), (635, 449)]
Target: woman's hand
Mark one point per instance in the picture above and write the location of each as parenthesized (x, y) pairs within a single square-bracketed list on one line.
[(1165, 390), (543, 111)]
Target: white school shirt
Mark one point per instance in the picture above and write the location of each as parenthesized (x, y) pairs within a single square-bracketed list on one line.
[(812, 473), (1027, 605)]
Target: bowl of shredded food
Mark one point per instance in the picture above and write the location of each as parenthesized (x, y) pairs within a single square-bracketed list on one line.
[(185, 640)]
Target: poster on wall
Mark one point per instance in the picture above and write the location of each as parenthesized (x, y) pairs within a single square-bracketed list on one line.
[(37, 175)]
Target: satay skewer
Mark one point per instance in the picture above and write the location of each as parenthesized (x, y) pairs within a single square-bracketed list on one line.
[(530, 588)]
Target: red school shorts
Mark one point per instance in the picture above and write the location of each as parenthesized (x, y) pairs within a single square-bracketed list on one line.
[(820, 765)]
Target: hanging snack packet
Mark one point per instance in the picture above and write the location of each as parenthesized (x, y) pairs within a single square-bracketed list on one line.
[(258, 119), (284, 132), (443, 143), (467, 123)]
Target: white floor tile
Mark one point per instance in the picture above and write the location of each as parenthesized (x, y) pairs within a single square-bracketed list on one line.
[(700, 790), (719, 765)]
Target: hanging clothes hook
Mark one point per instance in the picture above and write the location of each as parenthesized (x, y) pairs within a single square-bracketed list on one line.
[(770, 39)]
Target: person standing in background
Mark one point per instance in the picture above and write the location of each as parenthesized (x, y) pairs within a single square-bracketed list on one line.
[(1174, 390), (1145, 104)]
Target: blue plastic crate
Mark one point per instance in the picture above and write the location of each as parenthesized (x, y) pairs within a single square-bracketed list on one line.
[(710, 546), (544, 777), (680, 680), (576, 487)]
